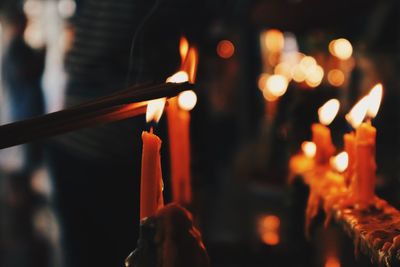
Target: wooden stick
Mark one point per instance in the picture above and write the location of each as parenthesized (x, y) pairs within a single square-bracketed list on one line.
[(117, 106)]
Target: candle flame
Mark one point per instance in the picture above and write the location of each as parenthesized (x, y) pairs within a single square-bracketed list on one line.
[(187, 100), (309, 149), (375, 97), (357, 114), (328, 111), (340, 162), (190, 64), (155, 109), (183, 48), (179, 77)]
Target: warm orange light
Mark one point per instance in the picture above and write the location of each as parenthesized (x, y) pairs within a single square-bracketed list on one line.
[(190, 64), (179, 77), (262, 81), (155, 109), (268, 96), (357, 114), (187, 100), (328, 111), (342, 49), (284, 69), (274, 40), (340, 162), (307, 62), (270, 238), (225, 49), (375, 98), (315, 74), (183, 48), (309, 149), (332, 261), (277, 85), (336, 77), (268, 229)]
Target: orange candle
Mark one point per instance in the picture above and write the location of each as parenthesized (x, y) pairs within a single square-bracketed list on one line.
[(364, 189), (321, 134), (151, 198), (350, 148), (151, 183)]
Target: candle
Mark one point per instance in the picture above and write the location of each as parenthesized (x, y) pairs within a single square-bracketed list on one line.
[(362, 144), (321, 134), (349, 141), (151, 185), (179, 128)]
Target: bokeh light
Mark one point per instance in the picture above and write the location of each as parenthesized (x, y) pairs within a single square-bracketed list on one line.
[(336, 77), (225, 49), (274, 40)]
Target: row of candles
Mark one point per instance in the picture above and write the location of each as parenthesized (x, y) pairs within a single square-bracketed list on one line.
[(357, 161), (178, 118)]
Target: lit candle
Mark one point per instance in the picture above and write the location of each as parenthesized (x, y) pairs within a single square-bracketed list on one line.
[(179, 127), (363, 184), (151, 185), (321, 134)]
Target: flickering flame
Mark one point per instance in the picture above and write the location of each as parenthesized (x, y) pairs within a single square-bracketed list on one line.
[(190, 64), (277, 85), (328, 111), (340, 162), (309, 149), (357, 114), (155, 109), (341, 48), (375, 97), (187, 100), (183, 48)]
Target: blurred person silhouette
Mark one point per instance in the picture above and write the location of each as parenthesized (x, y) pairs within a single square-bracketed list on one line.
[(96, 171)]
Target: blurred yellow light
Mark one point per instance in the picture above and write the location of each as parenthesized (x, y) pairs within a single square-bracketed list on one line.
[(277, 85), (307, 62), (274, 40), (328, 111), (309, 149), (340, 162), (375, 98), (315, 74), (283, 69), (336, 77), (268, 96), (342, 49), (298, 74), (187, 100), (225, 49)]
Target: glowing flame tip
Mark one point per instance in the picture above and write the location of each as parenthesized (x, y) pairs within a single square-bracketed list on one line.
[(328, 111)]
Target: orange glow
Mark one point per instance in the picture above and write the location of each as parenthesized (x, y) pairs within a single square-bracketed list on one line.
[(328, 111), (309, 149), (375, 98), (277, 85), (357, 114), (340, 162), (183, 48), (268, 96), (274, 40), (179, 77), (283, 69), (270, 238), (341, 48), (187, 100), (336, 77), (155, 109), (262, 81), (268, 229), (307, 62), (332, 261), (225, 49)]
